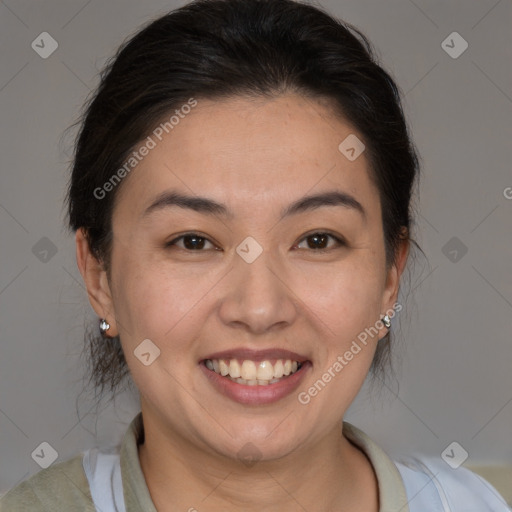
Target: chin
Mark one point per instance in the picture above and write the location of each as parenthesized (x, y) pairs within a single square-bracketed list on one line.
[(256, 442)]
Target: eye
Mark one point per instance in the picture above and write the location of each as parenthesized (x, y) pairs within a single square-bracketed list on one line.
[(191, 242), (318, 241)]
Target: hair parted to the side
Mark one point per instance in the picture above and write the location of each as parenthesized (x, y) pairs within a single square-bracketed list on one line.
[(213, 49)]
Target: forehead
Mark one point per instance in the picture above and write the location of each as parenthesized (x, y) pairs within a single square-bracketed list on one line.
[(249, 152)]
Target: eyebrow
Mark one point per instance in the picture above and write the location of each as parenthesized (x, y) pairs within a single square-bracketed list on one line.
[(204, 205)]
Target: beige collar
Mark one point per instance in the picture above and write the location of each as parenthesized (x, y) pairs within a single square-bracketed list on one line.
[(392, 493)]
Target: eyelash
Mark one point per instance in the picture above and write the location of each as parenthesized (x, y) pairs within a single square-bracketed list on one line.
[(339, 241)]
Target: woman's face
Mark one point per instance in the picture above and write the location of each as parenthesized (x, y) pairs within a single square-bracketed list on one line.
[(249, 281)]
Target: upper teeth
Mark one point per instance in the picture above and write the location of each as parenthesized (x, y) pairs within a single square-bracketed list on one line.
[(251, 370)]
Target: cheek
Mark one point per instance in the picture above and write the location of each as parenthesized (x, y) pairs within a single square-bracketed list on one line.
[(159, 302), (346, 304), (152, 305), (346, 298)]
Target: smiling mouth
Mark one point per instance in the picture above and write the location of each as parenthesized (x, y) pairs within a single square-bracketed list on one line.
[(252, 373)]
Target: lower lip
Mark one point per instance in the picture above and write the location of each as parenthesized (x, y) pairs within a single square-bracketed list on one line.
[(256, 395)]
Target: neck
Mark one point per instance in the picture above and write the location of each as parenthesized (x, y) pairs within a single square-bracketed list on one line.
[(180, 476)]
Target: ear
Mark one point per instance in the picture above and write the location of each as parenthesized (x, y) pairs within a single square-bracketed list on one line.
[(95, 279), (394, 274)]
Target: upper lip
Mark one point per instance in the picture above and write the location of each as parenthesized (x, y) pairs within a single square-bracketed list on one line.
[(257, 355)]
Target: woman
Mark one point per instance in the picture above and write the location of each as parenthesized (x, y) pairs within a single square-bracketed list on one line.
[(241, 200)]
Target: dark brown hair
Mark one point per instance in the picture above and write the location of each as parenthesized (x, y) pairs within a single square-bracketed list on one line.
[(226, 48)]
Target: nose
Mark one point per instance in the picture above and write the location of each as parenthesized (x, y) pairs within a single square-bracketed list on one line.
[(258, 297)]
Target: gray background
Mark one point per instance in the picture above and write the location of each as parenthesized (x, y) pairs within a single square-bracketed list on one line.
[(455, 382)]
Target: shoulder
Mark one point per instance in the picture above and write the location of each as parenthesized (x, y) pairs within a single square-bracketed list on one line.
[(430, 480), (62, 486)]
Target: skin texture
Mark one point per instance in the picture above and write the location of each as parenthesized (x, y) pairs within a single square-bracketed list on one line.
[(256, 156)]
